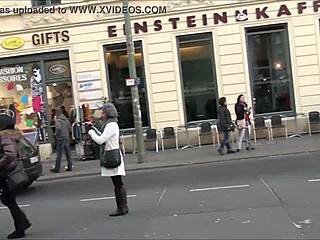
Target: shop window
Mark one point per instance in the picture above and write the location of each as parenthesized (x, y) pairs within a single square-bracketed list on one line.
[(198, 74), (21, 89), (36, 3), (270, 69), (118, 71), (33, 86)]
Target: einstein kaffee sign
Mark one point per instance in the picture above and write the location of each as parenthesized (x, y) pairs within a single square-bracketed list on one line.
[(221, 17)]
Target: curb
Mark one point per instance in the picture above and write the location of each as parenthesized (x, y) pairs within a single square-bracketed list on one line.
[(183, 164)]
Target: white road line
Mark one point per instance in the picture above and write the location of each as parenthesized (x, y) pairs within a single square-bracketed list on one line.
[(103, 198), (269, 188), (314, 180), (217, 188), (161, 196), (24, 205)]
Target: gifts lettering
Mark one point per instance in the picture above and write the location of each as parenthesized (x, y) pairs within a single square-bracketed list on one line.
[(216, 18), (50, 37)]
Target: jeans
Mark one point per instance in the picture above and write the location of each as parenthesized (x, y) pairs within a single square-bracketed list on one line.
[(247, 136), (63, 145), (8, 199), (225, 141)]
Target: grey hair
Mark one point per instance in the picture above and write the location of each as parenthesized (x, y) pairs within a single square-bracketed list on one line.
[(110, 110)]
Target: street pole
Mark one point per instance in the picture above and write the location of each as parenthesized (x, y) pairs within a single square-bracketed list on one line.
[(134, 89)]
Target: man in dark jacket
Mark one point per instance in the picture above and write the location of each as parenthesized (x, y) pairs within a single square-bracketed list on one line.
[(8, 162), (62, 134), (225, 125)]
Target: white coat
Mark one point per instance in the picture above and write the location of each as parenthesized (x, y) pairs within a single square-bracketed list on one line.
[(110, 137)]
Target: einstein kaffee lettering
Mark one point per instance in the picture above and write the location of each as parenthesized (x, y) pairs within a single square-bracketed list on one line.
[(216, 18)]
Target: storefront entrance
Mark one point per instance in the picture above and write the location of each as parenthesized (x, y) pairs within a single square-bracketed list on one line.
[(34, 86)]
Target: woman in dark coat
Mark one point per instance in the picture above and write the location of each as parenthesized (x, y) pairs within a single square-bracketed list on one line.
[(8, 161), (224, 125)]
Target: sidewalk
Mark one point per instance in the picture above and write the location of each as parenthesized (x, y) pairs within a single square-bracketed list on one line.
[(174, 158)]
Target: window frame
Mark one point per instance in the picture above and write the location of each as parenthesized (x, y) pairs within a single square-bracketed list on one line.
[(198, 37), (265, 29), (119, 47)]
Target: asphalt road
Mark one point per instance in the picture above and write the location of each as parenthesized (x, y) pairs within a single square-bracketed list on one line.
[(249, 199)]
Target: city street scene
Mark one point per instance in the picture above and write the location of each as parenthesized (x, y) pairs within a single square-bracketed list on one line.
[(160, 119)]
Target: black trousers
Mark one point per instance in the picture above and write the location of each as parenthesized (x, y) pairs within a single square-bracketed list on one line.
[(8, 199), (117, 182)]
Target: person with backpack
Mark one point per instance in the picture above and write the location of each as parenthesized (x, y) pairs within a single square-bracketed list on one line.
[(9, 138)]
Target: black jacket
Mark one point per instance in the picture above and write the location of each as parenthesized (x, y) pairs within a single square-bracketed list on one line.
[(240, 109), (224, 118)]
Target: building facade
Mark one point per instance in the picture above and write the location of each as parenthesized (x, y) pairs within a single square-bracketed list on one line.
[(188, 55)]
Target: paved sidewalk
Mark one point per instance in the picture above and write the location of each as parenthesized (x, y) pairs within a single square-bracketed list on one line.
[(206, 154)]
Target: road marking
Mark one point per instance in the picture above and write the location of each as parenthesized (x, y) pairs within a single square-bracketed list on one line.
[(314, 180), (269, 188), (161, 196), (103, 198), (24, 205), (217, 188)]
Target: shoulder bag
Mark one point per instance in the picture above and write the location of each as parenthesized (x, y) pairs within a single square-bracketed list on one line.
[(16, 178), (111, 158)]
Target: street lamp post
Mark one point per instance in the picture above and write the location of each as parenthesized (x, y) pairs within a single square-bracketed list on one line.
[(134, 88)]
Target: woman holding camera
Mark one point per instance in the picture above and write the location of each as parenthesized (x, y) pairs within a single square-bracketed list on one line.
[(225, 125), (110, 137)]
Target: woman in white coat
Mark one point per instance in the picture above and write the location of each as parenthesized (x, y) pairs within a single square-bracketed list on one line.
[(110, 137)]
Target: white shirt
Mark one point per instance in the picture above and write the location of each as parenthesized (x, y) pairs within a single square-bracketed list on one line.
[(109, 137)]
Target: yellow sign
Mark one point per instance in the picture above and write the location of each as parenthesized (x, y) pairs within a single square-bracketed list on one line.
[(12, 43)]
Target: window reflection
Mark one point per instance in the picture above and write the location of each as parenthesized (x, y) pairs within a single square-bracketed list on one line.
[(117, 60), (270, 70), (198, 77)]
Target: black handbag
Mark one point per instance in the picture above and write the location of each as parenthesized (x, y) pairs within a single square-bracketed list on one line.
[(17, 178), (111, 158)]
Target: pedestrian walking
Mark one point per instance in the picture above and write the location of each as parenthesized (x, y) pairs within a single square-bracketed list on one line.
[(110, 138), (62, 134), (240, 110), (9, 137), (225, 125)]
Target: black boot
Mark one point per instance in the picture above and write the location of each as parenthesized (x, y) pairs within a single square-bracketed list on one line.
[(21, 222), (119, 211), (124, 199), (220, 151), (230, 151), (16, 234)]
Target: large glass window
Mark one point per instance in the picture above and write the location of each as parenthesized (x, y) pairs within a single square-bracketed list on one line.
[(270, 69), (198, 74), (117, 60)]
